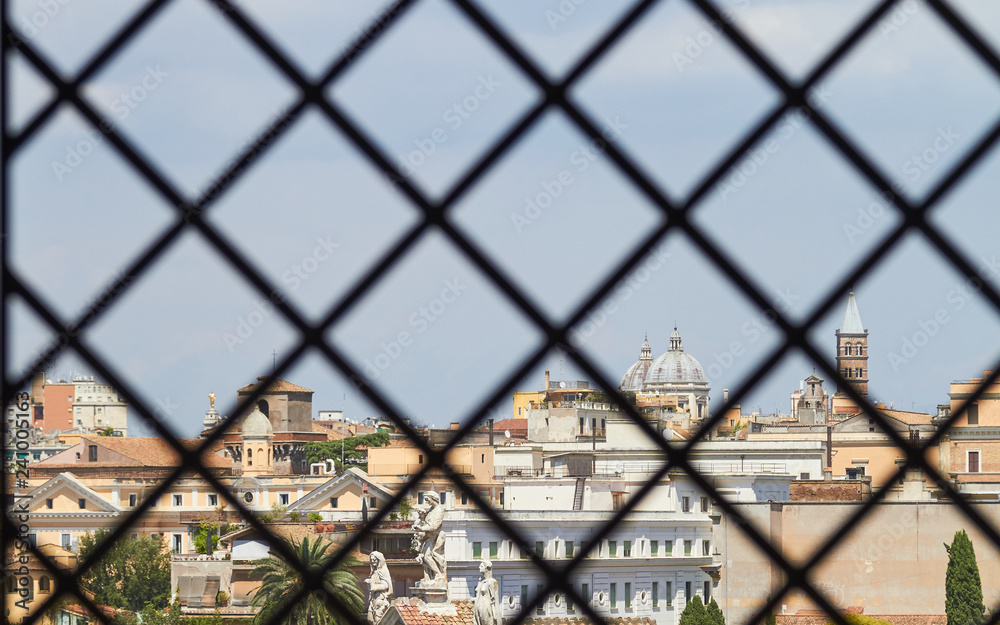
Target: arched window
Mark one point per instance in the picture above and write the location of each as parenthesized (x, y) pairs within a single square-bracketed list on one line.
[(860, 373), (249, 456), (44, 585), (262, 406), (260, 454), (847, 350)]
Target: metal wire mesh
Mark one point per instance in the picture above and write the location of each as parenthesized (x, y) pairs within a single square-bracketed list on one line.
[(435, 216)]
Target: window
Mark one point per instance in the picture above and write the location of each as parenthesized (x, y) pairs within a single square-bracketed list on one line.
[(541, 605), (48, 504), (523, 550), (614, 596), (92, 451), (804, 475), (569, 604), (685, 504), (334, 501), (373, 502), (44, 585), (493, 550), (420, 459), (283, 499), (859, 373), (847, 350), (420, 496), (612, 548), (706, 548), (67, 541), (569, 548), (477, 551), (687, 547), (668, 548), (524, 595), (444, 498), (177, 543), (972, 461), (669, 587), (654, 548), (704, 504), (627, 551), (708, 591), (687, 591), (133, 499), (465, 499), (973, 414), (82, 503), (628, 596), (540, 548), (213, 499), (656, 594), (847, 372), (585, 593), (178, 500)]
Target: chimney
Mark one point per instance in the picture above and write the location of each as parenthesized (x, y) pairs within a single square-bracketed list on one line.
[(546, 379), (725, 395), (36, 387), (490, 421), (829, 447), (455, 425)]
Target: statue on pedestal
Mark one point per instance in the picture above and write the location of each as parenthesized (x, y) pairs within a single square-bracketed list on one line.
[(379, 588), (486, 610), (431, 540)]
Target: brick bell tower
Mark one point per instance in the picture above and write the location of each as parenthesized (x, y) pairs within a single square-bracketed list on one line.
[(852, 357)]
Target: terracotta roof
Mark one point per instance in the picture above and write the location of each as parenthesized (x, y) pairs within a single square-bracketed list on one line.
[(279, 386), (331, 435), (147, 452), (409, 611), (514, 425), (909, 418)]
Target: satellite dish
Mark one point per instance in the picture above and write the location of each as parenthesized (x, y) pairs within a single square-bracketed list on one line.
[(668, 434), (506, 433)]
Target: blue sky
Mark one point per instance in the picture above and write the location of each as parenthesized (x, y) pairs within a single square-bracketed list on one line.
[(553, 213)]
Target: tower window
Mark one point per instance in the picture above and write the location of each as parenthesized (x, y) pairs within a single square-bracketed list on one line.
[(859, 373), (847, 350)]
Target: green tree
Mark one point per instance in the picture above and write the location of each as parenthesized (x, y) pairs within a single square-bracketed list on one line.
[(963, 590), (771, 619), (348, 447), (131, 574), (281, 582), (694, 612), (714, 614), (861, 619), (206, 529)]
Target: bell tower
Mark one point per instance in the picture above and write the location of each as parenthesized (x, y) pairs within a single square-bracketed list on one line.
[(852, 357)]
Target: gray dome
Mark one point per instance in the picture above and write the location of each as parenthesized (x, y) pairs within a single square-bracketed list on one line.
[(636, 375), (256, 425), (675, 368)]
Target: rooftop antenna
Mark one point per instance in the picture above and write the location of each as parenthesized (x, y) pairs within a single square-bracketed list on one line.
[(274, 360)]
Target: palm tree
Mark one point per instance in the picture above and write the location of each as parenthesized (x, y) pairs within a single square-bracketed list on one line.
[(281, 582)]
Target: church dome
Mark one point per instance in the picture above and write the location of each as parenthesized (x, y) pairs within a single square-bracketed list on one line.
[(256, 425), (675, 368), (636, 374)]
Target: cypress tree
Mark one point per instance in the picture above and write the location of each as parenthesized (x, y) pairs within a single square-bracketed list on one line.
[(714, 614), (694, 613), (963, 603)]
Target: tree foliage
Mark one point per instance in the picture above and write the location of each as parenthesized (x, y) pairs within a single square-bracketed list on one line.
[(132, 574), (281, 583), (771, 619), (206, 529), (714, 614), (331, 450), (963, 603), (694, 612), (860, 619)]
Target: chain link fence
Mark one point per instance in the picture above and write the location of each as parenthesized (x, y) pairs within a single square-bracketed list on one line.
[(190, 215)]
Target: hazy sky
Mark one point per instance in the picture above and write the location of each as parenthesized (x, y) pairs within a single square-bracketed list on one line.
[(554, 214)]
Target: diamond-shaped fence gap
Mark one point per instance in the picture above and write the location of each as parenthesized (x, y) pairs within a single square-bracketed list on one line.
[(695, 97), (983, 16), (179, 109), (338, 215), (315, 34), (894, 561), (713, 351), (72, 254), (458, 94), (435, 313), (68, 33), (527, 213), (911, 55), (238, 326), (837, 212), (33, 344), (556, 34), (795, 37), (29, 90)]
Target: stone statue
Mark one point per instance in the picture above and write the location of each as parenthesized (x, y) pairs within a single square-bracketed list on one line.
[(487, 606), (379, 588), (428, 532), (211, 399)]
